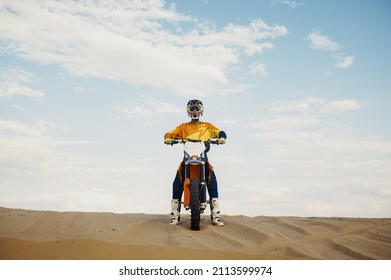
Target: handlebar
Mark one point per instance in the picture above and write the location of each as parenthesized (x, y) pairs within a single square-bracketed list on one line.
[(180, 141)]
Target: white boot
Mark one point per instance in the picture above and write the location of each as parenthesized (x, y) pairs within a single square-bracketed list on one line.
[(174, 212), (216, 212)]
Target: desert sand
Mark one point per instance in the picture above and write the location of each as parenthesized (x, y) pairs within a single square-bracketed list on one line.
[(48, 235)]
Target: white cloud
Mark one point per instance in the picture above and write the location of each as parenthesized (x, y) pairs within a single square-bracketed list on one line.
[(258, 68), (321, 42), (131, 42), (150, 109), (340, 106), (298, 130), (310, 146), (15, 81), (20, 128), (327, 145), (303, 153), (36, 174), (303, 106), (345, 62), (290, 3), (286, 123), (315, 105), (29, 145), (17, 107)]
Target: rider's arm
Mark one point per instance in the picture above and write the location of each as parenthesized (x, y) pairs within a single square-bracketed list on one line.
[(175, 133), (215, 132)]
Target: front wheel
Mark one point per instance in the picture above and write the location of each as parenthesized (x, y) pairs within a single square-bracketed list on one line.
[(195, 215)]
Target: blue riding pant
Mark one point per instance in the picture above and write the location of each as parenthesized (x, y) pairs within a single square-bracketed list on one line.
[(177, 185)]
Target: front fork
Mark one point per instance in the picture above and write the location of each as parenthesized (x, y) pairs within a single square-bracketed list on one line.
[(194, 170)]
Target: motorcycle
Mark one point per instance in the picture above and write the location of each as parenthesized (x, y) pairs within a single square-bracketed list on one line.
[(195, 181)]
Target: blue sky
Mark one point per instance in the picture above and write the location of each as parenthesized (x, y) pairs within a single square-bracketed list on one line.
[(302, 89)]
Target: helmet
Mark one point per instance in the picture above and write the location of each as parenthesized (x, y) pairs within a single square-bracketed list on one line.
[(195, 109)]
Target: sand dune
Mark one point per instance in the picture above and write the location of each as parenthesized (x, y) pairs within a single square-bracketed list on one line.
[(27, 234)]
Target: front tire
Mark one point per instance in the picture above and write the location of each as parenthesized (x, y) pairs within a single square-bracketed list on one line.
[(195, 215)]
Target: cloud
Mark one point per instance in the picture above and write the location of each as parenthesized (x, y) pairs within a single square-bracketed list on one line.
[(299, 129), (301, 153), (258, 68), (28, 146), (304, 139), (339, 106), (18, 107), (303, 106), (150, 109), (316, 105), (345, 62), (15, 81), (321, 42), (34, 129), (36, 174), (290, 3), (139, 42), (286, 123)]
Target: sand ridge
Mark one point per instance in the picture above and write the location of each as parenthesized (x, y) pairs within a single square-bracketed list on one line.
[(29, 234)]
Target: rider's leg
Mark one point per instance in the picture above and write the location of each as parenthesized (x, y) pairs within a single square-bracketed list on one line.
[(212, 186), (174, 212), (216, 220), (177, 189), (214, 201)]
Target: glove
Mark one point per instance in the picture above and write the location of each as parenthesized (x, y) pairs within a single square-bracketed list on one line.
[(168, 141), (221, 141)]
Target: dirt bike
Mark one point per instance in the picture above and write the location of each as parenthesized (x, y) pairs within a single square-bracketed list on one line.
[(195, 181)]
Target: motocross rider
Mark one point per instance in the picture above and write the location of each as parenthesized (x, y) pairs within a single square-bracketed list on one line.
[(196, 130)]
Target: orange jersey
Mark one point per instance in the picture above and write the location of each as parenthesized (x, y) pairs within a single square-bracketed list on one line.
[(197, 131)]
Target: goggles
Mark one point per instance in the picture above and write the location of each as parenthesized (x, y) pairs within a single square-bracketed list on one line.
[(194, 108), (194, 105)]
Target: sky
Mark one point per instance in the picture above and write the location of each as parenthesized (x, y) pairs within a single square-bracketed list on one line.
[(302, 89)]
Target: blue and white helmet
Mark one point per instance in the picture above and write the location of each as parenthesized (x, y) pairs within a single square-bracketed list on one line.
[(195, 109)]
